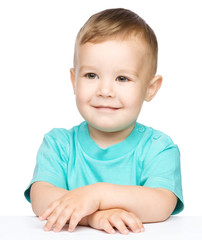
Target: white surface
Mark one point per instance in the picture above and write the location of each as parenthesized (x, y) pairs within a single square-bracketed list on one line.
[(175, 228), (36, 53)]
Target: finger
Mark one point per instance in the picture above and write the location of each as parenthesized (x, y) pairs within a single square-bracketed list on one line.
[(106, 226), (74, 220), (141, 226), (62, 220), (48, 211), (53, 218), (134, 223), (117, 222), (133, 226)]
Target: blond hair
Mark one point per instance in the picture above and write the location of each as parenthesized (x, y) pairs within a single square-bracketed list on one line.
[(117, 23)]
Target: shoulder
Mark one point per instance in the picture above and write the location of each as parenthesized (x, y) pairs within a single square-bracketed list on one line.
[(151, 134), (62, 136), (154, 140)]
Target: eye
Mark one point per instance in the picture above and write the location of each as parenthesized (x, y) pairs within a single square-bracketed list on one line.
[(91, 75), (122, 79)]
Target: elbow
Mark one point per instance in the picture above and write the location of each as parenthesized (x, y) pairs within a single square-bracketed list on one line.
[(160, 215), (33, 201), (163, 208), (37, 207), (157, 214), (168, 204), (165, 214), (168, 209)]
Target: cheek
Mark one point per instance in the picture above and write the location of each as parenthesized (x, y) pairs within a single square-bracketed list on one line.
[(134, 97), (80, 99), (134, 102), (83, 94)]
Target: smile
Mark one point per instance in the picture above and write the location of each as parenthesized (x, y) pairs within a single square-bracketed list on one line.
[(106, 108)]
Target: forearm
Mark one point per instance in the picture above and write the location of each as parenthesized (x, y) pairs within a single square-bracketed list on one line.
[(150, 204), (43, 194)]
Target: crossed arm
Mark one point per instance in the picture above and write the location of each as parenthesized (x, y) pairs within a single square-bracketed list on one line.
[(86, 205)]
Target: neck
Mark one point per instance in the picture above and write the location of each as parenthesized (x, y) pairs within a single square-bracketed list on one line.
[(107, 139)]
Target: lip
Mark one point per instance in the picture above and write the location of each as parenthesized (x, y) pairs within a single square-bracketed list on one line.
[(102, 106), (106, 108)]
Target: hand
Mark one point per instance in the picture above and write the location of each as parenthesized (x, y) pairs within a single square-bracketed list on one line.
[(71, 207), (119, 218)]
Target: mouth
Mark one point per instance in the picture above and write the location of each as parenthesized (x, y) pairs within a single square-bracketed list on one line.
[(106, 108)]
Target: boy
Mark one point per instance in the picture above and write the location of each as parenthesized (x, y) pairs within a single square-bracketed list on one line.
[(110, 171)]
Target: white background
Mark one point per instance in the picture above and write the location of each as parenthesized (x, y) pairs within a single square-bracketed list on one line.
[(36, 52)]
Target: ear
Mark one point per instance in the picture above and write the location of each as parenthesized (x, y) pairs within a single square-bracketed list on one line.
[(72, 76), (153, 87)]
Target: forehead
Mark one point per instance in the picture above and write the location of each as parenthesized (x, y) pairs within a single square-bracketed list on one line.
[(131, 51)]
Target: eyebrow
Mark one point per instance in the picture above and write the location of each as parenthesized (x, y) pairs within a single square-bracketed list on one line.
[(86, 67)]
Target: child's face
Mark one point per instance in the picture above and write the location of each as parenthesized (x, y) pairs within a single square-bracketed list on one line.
[(111, 80)]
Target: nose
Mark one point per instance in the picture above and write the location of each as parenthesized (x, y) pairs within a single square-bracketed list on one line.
[(105, 88)]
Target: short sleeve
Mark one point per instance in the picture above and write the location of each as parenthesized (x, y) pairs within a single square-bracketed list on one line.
[(161, 168), (51, 161)]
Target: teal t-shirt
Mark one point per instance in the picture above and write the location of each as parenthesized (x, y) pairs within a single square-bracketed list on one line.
[(70, 159)]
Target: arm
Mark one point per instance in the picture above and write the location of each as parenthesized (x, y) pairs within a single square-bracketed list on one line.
[(43, 194), (119, 218), (150, 204)]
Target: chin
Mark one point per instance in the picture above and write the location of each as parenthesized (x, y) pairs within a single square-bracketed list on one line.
[(106, 128)]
